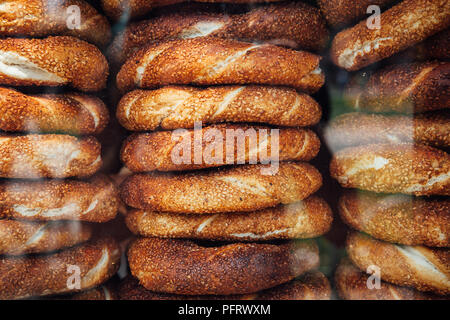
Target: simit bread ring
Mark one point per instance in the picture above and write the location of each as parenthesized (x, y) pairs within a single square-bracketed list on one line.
[(22, 237), (39, 18), (423, 268), (296, 25), (405, 88), (116, 9), (236, 189), (183, 267), (359, 46), (312, 285), (53, 61), (351, 284), (223, 144), (353, 129), (342, 12), (179, 107), (41, 275), (106, 291), (301, 220), (393, 168), (70, 113), (50, 156), (398, 218), (94, 200), (212, 61)]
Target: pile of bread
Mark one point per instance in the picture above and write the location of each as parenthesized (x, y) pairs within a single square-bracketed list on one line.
[(221, 196), (392, 151), (51, 199)]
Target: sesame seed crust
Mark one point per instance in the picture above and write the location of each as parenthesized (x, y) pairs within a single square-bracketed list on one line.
[(402, 26), (105, 292), (398, 218), (116, 9), (404, 88), (183, 267), (93, 200), (342, 12), (71, 113), (155, 151), (312, 285), (23, 237), (351, 284), (393, 168), (309, 218), (353, 129), (296, 25), (174, 107), (425, 269), (40, 18), (48, 156), (236, 189), (74, 62), (42, 275), (212, 61)]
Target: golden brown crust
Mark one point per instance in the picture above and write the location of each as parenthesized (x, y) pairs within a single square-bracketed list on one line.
[(393, 168), (312, 285), (351, 284), (48, 156), (176, 107), (42, 275), (425, 269), (94, 200), (405, 88), (398, 218), (359, 46), (130, 9), (71, 113), (342, 12), (23, 237), (218, 145), (53, 61), (301, 220), (296, 25), (236, 189), (353, 129), (183, 267), (40, 18), (212, 61)]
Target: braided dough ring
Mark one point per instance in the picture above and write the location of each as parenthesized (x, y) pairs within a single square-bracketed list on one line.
[(301, 220), (50, 156), (423, 268), (312, 285), (398, 168), (42, 275), (183, 267), (212, 61), (404, 88), (53, 61), (343, 12), (359, 46), (353, 129), (244, 143), (398, 218), (71, 113), (351, 284), (40, 18), (94, 200), (116, 9), (296, 25), (23, 237), (236, 189), (180, 107)]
